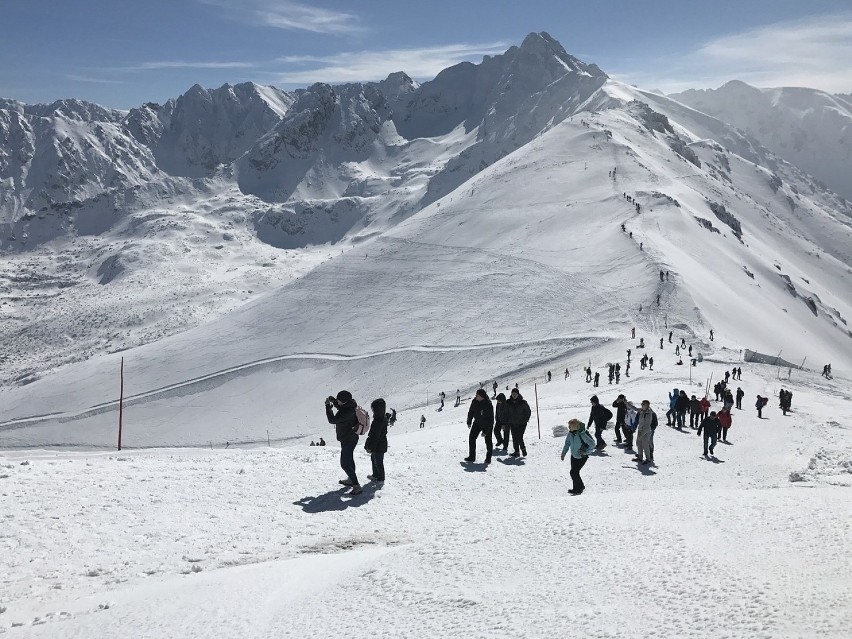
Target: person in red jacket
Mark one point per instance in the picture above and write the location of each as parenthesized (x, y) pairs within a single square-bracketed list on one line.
[(705, 407), (725, 419)]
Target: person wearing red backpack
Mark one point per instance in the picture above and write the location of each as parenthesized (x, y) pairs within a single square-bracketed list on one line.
[(345, 424)]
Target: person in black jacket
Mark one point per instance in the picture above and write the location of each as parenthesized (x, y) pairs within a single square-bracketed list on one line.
[(377, 441), (501, 428), (599, 416), (345, 422), (517, 415), (711, 427), (620, 405), (740, 395), (694, 412), (480, 420), (681, 406)]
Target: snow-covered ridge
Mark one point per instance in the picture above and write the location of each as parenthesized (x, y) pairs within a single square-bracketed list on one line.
[(809, 128)]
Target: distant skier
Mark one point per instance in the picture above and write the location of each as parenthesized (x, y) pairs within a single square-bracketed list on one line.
[(494, 388), (683, 342), (661, 343), (548, 376), (627, 369), (423, 421), (480, 420), (458, 398), (588, 374), (518, 414), (641, 244), (677, 350), (633, 333), (597, 379), (711, 334), (662, 276), (670, 337), (618, 373), (566, 373), (727, 376), (650, 363), (628, 354), (690, 350)]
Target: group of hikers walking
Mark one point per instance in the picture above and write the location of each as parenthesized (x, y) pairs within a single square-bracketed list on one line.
[(505, 421)]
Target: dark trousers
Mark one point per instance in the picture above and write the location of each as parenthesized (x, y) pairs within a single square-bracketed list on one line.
[(651, 445), (681, 418), (501, 434), (347, 461), (739, 403), (475, 432), (518, 437), (724, 434), (618, 427), (576, 466), (694, 420), (670, 416), (760, 412), (378, 460), (710, 436), (628, 436), (600, 441)]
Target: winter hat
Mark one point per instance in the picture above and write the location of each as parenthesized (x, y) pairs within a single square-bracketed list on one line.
[(501, 397), (344, 397), (481, 392)]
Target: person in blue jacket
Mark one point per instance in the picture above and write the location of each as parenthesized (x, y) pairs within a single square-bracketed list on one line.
[(579, 442), (671, 413)]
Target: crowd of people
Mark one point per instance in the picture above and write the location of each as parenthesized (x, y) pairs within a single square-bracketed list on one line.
[(505, 422)]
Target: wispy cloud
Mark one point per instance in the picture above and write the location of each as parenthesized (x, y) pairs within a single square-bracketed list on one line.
[(184, 64), (358, 66), (294, 16), (90, 79), (813, 52)]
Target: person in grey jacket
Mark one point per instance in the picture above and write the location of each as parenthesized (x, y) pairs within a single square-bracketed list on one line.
[(646, 421), (579, 443)]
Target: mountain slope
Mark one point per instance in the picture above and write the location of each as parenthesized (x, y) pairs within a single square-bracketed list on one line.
[(808, 128), (523, 267)]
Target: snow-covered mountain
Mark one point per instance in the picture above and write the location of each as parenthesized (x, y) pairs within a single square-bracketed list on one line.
[(462, 229), (809, 128)]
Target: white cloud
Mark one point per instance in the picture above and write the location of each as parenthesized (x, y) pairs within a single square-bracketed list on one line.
[(356, 66), (86, 78), (814, 52), (182, 64), (294, 16)]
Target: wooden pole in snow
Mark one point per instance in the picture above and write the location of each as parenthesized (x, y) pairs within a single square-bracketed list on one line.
[(121, 404), (536, 410)]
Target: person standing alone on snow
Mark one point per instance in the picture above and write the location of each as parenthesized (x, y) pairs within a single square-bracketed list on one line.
[(345, 422), (599, 416), (517, 413), (480, 420), (579, 443), (740, 395), (377, 441)]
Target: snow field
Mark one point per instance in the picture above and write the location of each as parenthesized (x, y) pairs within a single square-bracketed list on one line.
[(263, 542)]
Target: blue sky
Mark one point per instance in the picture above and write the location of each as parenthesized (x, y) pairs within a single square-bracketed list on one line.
[(121, 53)]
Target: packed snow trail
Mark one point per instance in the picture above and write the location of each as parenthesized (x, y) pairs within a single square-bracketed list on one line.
[(190, 543)]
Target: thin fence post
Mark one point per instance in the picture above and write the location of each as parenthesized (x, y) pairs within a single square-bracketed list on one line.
[(536, 410), (121, 404)]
